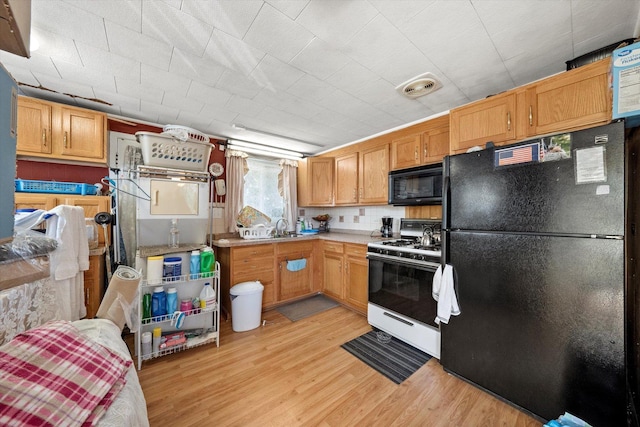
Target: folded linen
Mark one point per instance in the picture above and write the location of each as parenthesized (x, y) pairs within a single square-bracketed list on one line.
[(444, 292), (297, 265)]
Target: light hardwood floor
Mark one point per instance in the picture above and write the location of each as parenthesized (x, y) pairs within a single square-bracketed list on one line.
[(291, 374)]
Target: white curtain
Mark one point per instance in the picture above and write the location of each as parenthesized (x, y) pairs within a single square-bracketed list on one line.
[(288, 188), (234, 202)]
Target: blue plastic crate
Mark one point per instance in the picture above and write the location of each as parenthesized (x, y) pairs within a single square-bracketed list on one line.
[(29, 186)]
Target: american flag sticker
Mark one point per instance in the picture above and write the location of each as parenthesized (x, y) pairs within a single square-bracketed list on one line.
[(516, 155)]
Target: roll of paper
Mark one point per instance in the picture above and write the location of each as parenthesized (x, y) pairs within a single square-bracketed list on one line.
[(120, 296), (155, 266)]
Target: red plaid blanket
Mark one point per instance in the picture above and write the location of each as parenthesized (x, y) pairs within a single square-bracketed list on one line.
[(53, 376)]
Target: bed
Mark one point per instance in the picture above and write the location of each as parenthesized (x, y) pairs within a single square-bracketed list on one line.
[(59, 345)]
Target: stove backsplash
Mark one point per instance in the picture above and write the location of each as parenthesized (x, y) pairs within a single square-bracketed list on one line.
[(360, 218)]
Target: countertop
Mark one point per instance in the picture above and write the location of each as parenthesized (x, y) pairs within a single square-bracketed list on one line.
[(344, 236)]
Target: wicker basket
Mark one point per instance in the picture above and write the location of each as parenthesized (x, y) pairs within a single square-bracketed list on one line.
[(167, 151)]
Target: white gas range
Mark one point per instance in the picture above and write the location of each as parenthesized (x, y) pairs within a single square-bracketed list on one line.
[(400, 283)]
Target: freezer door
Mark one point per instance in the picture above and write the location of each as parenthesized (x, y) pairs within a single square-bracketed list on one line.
[(562, 196), (541, 322)]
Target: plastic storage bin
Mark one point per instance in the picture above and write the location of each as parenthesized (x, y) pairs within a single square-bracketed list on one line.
[(246, 305)]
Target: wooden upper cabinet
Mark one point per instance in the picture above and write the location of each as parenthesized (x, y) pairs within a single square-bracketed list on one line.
[(83, 133), (56, 131), (347, 179), (492, 119), (34, 127), (572, 100), (320, 181), (406, 151), (373, 178), (435, 145)]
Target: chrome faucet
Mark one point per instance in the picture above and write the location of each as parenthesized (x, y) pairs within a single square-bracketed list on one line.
[(281, 232)]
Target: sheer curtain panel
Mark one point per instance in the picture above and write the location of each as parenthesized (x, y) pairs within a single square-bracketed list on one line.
[(236, 170)]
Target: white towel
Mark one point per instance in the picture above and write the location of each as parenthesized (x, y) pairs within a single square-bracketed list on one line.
[(444, 292), (69, 260)]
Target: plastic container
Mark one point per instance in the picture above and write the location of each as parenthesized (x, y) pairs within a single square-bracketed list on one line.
[(186, 305), (172, 267), (158, 302), (194, 266), (174, 234), (157, 339), (92, 233), (30, 186), (146, 343), (172, 300), (146, 306), (246, 305), (207, 297), (206, 262), (155, 267)]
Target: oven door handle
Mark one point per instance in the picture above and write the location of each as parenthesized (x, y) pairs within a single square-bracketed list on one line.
[(424, 265)]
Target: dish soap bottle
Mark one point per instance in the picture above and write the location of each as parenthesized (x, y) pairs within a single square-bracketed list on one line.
[(194, 265), (207, 297), (174, 234)]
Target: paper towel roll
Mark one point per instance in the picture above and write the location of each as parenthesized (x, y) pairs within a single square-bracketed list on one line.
[(120, 295), (155, 265)]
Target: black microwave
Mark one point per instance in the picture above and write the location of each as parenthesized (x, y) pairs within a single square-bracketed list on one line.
[(421, 185)]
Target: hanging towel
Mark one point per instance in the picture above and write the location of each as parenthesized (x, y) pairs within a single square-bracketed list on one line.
[(443, 291), (297, 265)]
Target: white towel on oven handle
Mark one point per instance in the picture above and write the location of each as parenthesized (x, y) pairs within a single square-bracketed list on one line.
[(443, 291)]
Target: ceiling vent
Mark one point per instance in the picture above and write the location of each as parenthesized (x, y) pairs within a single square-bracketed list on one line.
[(419, 86)]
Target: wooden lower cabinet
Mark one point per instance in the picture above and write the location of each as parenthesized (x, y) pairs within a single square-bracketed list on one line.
[(346, 271), (94, 284), (268, 263)]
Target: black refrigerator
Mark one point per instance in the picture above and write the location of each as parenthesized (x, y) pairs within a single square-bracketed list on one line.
[(535, 233)]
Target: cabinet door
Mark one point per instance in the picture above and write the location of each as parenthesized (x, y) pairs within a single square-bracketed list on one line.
[(333, 281), (356, 277), (347, 179), (374, 176), (35, 201), (320, 170), (34, 127), (291, 282), (576, 99), (83, 133), (405, 152), (492, 119), (435, 145), (91, 205), (94, 285)]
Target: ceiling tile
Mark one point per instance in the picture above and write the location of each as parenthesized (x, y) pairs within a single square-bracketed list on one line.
[(147, 93), (273, 74), (174, 27), (165, 115), (336, 21), (239, 104), (57, 47), (311, 88), (232, 53), (65, 87), (155, 77), (291, 8), (276, 34), (127, 13), (86, 76), (232, 17), (238, 84), (108, 63), (122, 101), (134, 45), (195, 68), (319, 59), (208, 94), (219, 113), (181, 102)]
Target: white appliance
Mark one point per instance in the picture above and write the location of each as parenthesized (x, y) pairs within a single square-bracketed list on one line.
[(400, 283)]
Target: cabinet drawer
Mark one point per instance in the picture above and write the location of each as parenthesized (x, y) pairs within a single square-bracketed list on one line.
[(264, 276), (248, 252), (294, 248), (252, 264), (333, 247), (355, 250)]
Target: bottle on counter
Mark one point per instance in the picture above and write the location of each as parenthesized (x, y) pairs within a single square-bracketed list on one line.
[(194, 265), (174, 234)]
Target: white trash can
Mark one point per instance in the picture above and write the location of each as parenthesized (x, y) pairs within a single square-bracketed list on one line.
[(246, 305)]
